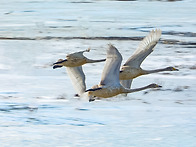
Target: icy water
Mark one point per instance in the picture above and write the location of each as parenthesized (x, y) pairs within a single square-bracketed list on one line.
[(37, 103)]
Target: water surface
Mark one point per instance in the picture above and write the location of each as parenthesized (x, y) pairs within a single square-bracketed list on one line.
[(37, 103)]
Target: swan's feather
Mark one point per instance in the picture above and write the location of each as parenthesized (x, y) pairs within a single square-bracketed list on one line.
[(110, 74), (77, 77), (77, 54), (145, 47), (126, 83)]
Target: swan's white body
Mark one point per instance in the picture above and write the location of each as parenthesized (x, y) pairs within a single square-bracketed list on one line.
[(76, 59)]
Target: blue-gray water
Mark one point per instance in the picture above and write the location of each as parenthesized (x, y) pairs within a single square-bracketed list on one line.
[(37, 104)]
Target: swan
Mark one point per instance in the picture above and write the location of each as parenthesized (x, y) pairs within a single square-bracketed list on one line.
[(75, 59), (110, 84), (73, 65), (131, 69)]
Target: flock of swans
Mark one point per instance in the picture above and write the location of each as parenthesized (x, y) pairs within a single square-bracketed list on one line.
[(114, 80)]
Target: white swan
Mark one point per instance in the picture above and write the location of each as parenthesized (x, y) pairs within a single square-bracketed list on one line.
[(131, 69), (110, 84), (73, 65)]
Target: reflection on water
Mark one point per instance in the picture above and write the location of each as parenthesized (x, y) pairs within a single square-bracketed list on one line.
[(37, 104)]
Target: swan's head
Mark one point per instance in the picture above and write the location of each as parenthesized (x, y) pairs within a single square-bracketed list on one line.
[(59, 63), (154, 86), (172, 69)]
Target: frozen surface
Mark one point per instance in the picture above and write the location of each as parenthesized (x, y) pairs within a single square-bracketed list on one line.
[(37, 103)]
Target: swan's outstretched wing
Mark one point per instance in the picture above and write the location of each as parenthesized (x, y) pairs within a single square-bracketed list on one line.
[(77, 77), (77, 54), (126, 83), (145, 47), (110, 74)]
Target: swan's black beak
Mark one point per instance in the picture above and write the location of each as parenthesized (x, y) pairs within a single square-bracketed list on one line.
[(91, 99), (159, 86), (175, 69), (59, 62), (57, 66)]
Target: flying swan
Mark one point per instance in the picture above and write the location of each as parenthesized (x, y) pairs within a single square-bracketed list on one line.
[(73, 65), (131, 69), (110, 84)]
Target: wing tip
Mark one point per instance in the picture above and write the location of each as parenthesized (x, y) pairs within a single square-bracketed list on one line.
[(155, 34), (152, 38), (113, 51)]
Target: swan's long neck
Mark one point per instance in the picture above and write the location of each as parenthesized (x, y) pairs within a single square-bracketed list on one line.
[(125, 90), (94, 61), (155, 71)]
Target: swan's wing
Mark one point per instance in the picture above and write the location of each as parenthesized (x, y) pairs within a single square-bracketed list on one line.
[(126, 83), (145, 47), (77, 54), (110, 74), (77, 77)]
